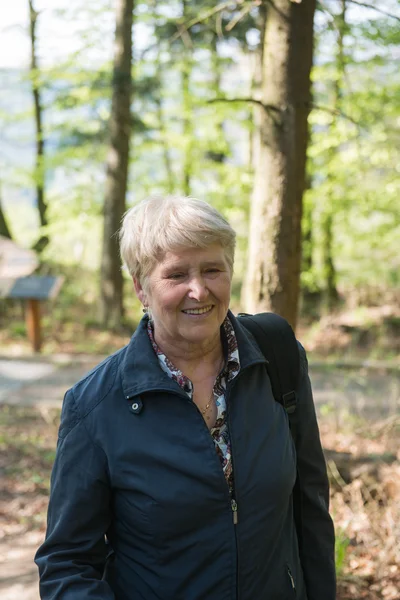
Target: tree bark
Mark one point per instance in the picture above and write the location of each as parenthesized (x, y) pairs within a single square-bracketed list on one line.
[(256, 113), (331, 294), (111, 287), (216, 76), (163, 129), (187, 105), (274, 261), (169, 171), (4, 229), (39, 162), (307, 232)]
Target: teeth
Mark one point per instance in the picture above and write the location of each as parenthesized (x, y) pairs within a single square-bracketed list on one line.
[(197, 311)]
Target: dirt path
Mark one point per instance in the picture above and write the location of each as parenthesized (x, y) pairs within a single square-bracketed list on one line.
[(365, 393), (37, 382), (18, 573)]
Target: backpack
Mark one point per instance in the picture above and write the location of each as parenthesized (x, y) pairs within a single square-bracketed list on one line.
[(277, 342)]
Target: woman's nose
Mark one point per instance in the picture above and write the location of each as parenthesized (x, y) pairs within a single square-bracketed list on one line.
[(198, 290)]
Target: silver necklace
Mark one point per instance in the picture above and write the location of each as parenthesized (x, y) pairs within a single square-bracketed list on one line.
[(207, 406)]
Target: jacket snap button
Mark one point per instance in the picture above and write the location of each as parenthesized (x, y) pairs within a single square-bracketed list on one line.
[(136, 406)]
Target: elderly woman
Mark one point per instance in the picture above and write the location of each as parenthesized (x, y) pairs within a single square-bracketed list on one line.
[(175, 466)]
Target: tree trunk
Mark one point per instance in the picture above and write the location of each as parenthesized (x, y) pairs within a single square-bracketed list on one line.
[(331, 294), (162, 127), (301, 64), (4, 229), (256, 114), (218, 154), (216, 69), (111, 288), (39, 164), (217, 150), (273, 273), (187, 105), (307, 233)]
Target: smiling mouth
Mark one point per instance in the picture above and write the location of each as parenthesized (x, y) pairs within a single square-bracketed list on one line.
[(198, 311)]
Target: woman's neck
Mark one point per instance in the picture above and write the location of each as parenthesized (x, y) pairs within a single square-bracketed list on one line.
[(196, 361)]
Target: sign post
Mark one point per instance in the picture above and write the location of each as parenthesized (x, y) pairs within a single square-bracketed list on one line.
[(32, 289), (16, 281), (33, 326)]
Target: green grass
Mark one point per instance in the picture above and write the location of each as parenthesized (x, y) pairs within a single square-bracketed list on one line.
[(341, 544)]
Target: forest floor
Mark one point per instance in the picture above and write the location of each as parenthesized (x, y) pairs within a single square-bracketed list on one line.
[(359, 423)]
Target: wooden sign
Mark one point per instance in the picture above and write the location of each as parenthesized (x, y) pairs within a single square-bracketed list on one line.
[(35, 287), (32, 289)]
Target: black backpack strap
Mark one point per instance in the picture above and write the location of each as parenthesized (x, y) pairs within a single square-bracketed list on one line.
[(277, 342)]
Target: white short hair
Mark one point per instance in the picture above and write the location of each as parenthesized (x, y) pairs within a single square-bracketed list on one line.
[(161, 224)]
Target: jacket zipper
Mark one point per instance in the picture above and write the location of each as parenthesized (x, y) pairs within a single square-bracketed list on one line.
[(229, 387), (234, 503), (234, 507)]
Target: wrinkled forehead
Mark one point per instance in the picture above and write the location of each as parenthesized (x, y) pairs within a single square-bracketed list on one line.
[(187, 258), (212, 254)]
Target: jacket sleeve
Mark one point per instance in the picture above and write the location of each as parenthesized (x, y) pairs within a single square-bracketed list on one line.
[(72, 558), (317, 545)]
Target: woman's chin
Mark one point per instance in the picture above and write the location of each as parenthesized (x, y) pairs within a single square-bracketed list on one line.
[(200, 330)]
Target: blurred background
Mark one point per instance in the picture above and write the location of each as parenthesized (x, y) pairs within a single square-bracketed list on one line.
[(285, 116)]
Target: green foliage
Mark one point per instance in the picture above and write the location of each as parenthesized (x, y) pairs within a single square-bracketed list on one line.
[(354, 160), (341, 545), (18, 329)]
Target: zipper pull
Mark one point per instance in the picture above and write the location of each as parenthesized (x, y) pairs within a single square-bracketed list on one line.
[(291, 578), (234, 507)]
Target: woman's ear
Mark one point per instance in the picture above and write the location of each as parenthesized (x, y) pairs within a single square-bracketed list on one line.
[(139, 291)]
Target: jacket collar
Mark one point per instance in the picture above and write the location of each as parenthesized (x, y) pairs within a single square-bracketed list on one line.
[(141, 371)]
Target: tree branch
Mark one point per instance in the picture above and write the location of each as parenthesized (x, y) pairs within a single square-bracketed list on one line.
[(184, 27), (267, 107), (271, 108), (335, 112), (322, 6), (372, 7), (239, 17)]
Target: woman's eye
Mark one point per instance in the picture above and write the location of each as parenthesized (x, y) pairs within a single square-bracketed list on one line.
[(213, 270), (175, 276)]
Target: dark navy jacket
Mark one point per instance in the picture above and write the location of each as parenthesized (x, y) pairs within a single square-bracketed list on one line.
[(137, 485)]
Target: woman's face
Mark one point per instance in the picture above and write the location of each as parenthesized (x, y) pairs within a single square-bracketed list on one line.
[(188, 293)]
